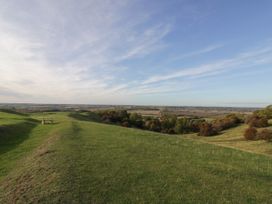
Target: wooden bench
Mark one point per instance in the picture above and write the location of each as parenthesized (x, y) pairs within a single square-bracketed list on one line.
[(47, 121)]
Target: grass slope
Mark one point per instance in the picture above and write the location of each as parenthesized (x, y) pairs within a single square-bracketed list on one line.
[(19, 135), (84, 162), (234, 138)]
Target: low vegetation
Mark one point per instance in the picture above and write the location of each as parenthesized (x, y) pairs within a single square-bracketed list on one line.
[(251, 133), (265, 113), (259, 119), (265, 134), (165, 123), (207, 129), (79, 161)]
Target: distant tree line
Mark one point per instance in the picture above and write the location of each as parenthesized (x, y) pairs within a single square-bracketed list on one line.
[(171, 124), (166, 123), (218, 125)]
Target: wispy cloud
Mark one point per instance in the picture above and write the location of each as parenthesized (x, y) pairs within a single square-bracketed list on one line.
[(72, 51), (244, 59), (197, 52), (104, 51)]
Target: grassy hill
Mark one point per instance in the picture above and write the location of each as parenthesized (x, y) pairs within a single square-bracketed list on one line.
[(234, 138), (74, 161)]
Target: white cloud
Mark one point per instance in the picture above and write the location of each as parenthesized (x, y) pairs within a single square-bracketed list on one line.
[(69, 51), (197, 52), (249, 58)]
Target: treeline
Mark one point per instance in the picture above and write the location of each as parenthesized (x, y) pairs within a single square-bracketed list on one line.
[(259, 120), (171, 124), (166, 123), (218, 125)]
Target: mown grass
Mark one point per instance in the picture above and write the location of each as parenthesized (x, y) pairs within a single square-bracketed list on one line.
[(87, 162), (19, 135)]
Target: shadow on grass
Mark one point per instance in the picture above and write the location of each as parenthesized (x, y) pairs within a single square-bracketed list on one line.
[(14, 134)]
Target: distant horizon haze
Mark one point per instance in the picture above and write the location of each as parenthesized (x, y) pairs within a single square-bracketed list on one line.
[(256, 106)]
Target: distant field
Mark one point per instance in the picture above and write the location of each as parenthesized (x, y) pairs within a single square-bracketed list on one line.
[(75, 161), (146, 112), (192, 111)]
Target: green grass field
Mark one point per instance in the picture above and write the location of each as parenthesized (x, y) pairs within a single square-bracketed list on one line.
[(234, 138), (76, 161)]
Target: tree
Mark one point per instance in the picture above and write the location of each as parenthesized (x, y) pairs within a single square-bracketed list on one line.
[(257, 121), (153, 125), (182, 126), (227, 122), (136, 120), (266, 113), (250, 133), (206, 129), (168, 123)]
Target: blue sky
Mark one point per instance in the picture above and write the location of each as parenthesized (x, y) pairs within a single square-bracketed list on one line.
[(156, 52)]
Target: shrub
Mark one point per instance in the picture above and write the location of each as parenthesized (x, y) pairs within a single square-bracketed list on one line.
[(136, 120), (250, 133), (206, 129), (125, 124), (94, 116), (168, 123), (153, 125), (267, 112), (235, 118), (187, 125), (182, 126), (195, 124), (113, 116), (265, 134), (225, 123), (257, 121)]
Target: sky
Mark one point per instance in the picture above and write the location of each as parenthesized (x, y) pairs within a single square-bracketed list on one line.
[(138, 52)]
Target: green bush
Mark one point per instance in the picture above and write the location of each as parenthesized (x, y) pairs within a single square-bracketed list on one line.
[(136, 120), (113, 116), (182, 126), (267, 112), (152, 124), (168, 123)]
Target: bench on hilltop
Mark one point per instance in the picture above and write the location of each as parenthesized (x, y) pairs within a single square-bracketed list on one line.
[(47, 121)]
